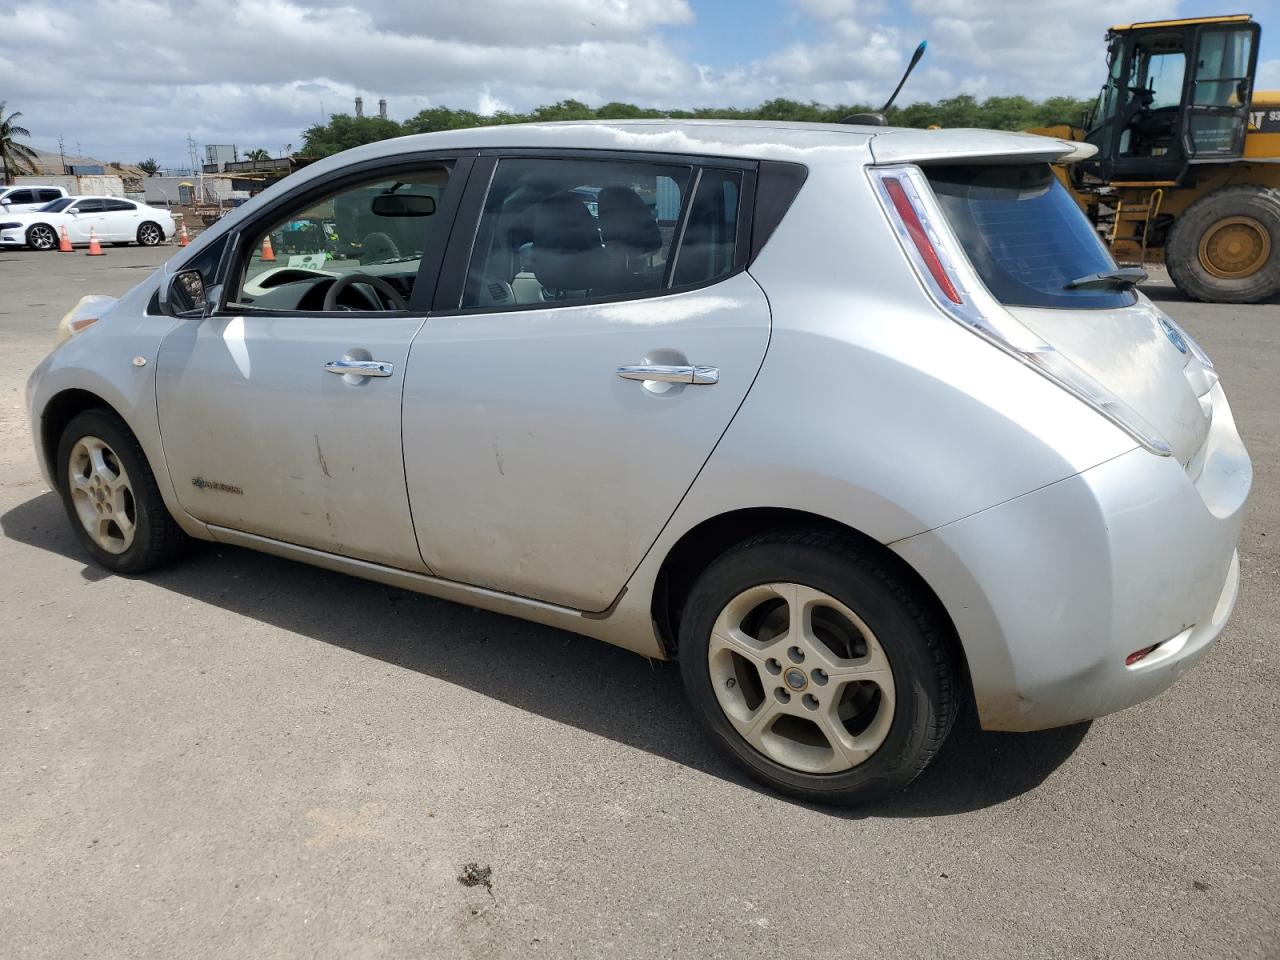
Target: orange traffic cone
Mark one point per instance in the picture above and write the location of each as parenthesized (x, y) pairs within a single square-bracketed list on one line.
[(64, 245), (95, 248), (183, 239), (268, 255)]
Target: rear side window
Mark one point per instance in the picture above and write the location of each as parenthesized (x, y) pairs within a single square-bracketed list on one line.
[(1024, 235), (47, 195), (119, 205), (567, 230)]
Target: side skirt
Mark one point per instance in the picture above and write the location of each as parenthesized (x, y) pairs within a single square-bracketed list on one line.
[(564, 618)]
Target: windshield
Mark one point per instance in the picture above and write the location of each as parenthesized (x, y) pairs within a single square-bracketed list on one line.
[(54, 206), (1025, 236)]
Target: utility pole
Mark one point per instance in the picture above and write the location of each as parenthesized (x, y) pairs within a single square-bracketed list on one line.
[(196, 168), (62, 152)]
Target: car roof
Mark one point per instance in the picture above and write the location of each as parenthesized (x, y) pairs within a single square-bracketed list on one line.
[(810, 143)]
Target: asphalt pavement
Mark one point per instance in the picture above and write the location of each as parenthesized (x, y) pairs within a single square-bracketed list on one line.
[(242, 756)]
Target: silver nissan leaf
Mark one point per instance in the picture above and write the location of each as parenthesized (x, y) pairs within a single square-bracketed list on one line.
[(855, 422)]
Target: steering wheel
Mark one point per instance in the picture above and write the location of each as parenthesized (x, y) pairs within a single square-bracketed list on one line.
[(379, 285)]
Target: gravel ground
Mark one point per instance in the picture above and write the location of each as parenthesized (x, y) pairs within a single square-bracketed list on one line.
[(245, 757)]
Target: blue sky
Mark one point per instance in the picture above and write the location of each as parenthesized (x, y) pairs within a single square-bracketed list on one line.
[(118, 76)]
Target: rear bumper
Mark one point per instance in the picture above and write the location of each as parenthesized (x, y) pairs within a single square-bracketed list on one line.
[(1050, 592)]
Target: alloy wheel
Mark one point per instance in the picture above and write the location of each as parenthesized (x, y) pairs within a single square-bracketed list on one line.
[(801, 678), (42, 237), (102, 494), (148, 235)]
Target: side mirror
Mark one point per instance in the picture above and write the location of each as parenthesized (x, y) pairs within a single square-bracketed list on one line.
[(403, 205), (186, 295)]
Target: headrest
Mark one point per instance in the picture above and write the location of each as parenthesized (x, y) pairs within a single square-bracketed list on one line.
[(627, 225), (567, 254)]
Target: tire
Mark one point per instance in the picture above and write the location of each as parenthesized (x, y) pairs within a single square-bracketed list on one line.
[(149, 234), (1257, 211), (147, 537), (42, 237), (897, 723)]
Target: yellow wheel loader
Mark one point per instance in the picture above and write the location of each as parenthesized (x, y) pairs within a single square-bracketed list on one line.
[(1187, 169)]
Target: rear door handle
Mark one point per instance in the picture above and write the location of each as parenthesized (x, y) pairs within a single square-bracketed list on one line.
[(360, 368), (671, 373)]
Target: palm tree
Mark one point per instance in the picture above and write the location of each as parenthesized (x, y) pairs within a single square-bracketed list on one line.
[(256, 155), (15, 155)]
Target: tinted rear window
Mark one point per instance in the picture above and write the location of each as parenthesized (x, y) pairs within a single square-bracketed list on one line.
[(1024, 235)]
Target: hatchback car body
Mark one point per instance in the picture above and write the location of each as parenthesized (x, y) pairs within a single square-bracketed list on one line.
[(109, 219), (854, 421)]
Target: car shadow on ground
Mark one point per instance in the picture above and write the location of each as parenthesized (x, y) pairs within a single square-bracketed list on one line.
[(618, 695)]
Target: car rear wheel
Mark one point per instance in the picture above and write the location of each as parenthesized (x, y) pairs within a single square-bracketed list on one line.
[(111, 497), (149, 234), (822, 669), (41, 236)]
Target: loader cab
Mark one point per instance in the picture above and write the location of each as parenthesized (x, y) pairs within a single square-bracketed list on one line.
[(1177, 93)]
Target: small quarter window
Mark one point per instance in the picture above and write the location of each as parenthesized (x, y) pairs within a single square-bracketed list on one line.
[(710, 237)]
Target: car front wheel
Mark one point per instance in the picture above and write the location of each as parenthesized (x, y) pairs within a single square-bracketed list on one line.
[(42, 237), (822, 669), (149, 234), (111, 497)]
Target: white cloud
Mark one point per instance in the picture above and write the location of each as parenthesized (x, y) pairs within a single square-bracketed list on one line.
[(131, 78)]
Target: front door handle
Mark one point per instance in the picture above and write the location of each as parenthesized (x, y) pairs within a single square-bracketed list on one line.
[(360, 368), (671, 373)]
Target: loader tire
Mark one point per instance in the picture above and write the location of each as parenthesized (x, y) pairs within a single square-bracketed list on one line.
[(1226, 247)]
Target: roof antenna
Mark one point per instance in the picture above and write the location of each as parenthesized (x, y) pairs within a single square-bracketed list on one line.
[(877, 119)]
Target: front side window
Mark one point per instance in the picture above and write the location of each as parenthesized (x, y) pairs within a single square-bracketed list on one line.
[(568, 230), (378, 229), (21, 196)]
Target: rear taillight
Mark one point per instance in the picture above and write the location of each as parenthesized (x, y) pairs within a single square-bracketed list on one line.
[(915, 230), (940, 263)]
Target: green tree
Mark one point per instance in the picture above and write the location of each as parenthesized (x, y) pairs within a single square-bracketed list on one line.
[(1001, 113), (149, 166), (15, 156), (344, 131), (442, 118)]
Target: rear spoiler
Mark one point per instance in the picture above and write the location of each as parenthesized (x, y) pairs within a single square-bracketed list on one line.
[(974, 146)]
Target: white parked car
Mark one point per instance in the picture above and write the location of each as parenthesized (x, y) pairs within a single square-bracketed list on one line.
[(856, 422), (111, 219), (24, 198)]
